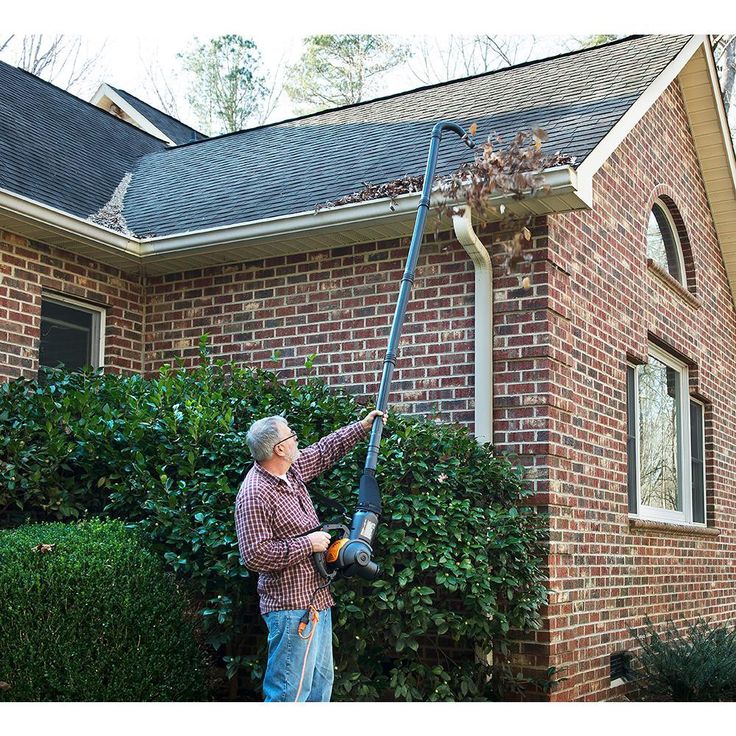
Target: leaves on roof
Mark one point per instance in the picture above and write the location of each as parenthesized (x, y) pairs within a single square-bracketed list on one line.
[(111, 214)]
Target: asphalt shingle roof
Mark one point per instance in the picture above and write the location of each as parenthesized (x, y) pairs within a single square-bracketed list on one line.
[(60, 150), (291, 166), (173, 128)]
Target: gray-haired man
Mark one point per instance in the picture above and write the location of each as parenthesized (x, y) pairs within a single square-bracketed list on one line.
[(273, 511)]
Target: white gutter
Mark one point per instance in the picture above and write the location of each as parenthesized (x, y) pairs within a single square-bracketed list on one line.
[(276, 227), (463, 226), (559, 180), (44, 217)]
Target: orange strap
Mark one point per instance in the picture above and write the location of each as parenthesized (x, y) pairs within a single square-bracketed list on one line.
[(314, 617)]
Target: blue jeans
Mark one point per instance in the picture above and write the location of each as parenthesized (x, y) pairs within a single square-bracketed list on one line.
[(286, 650)]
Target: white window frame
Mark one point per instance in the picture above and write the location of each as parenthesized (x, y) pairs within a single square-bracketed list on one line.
[(675, 236), (653, 513), (98, 323)]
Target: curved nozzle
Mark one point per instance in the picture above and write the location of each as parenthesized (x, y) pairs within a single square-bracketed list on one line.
[(443, 125)]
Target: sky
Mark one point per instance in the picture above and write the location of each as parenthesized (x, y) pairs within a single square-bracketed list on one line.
[(124, 59), (159, 30)]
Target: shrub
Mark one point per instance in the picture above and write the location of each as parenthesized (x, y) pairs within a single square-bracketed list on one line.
[(460, 547), (697, 666), (86, 613)]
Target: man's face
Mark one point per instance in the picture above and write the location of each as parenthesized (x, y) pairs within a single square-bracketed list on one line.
[(287, 446)]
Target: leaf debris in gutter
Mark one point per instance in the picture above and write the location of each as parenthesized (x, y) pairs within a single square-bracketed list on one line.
[(512, 170), (392, 189)]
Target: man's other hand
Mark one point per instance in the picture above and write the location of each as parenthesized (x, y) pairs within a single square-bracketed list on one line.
[(368, 421), (320, 541)]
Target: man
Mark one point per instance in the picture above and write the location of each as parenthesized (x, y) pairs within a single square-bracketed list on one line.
[(273, 511)]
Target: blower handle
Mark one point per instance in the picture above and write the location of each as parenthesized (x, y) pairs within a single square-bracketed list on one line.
[(318, 558)]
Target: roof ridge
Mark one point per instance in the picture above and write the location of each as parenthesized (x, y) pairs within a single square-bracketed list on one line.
[(80, 99), (153, 107), (421, 88)]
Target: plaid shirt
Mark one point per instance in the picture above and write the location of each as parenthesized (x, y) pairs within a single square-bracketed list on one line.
[(270, 514)]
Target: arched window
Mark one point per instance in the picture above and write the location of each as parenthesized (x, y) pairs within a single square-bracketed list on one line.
[(663, 242)]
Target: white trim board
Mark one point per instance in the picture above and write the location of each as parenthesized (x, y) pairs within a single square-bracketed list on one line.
[(105, 90), (599, 155)]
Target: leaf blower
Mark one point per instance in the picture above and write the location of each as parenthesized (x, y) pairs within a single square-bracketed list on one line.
[(351, 553)]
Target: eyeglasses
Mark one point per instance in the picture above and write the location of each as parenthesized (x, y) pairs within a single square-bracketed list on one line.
[(293, 434)]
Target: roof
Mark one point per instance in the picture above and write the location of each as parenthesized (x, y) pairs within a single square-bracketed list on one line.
[(177, 131), (291, 166), (58, 149)]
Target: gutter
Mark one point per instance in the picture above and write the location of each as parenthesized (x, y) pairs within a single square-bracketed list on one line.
[(70, 230), (560, 180), (45, 217), (464, 232)]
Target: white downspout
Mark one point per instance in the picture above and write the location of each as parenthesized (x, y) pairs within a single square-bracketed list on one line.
[(483, 322)]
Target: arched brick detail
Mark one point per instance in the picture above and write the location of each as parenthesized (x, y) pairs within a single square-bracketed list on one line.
[(665, 194)]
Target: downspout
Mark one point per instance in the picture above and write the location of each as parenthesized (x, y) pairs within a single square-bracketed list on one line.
[(483, 322)]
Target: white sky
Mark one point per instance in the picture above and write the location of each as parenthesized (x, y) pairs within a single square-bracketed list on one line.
[(134, 29)]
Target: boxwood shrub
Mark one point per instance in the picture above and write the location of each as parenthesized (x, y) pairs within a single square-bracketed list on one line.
[(88, 614), (460, 546)]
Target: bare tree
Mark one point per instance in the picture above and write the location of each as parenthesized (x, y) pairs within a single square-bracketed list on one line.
[(4, 43), (274, 84), (437, 60), (724, 50), (60, 59), (159, 83)]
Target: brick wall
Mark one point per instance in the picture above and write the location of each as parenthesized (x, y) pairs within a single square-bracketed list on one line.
[(603, 304), (27, 268), (339, 305)]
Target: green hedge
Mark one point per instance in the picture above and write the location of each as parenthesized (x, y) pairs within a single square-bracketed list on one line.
[(88, 614), (460, 548)]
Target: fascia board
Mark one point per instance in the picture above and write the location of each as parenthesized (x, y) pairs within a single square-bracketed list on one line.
[(722, 117), (141, 120)]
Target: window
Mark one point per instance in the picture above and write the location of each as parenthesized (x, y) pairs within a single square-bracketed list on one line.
[(71, 333), (666, 466), (663, 243)]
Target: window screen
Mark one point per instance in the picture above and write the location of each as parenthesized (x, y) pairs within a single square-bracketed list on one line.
[(697, 461)]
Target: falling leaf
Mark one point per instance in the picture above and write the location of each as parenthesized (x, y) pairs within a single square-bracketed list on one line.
[(4, 686), (44, 548), (526, 283), (527, 235), (473, 128)]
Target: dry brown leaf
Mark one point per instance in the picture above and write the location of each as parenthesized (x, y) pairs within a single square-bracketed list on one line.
[(44, 548), (4, 686)]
